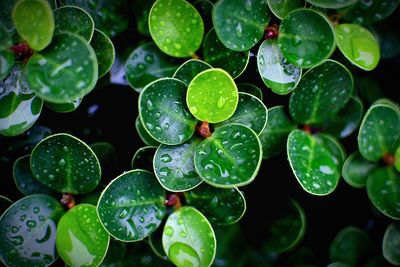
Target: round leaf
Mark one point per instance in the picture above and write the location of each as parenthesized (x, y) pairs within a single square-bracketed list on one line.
[(250, 112), (176, 27), (389, 40), (5, 202), (383, 188), (34, 22), (368, 12), (70, 65), (391, 244), (219, 56), (240, 24), (321, 92), (306, 38), (74, 20), (28, 231), (6, 55), (105, 52), (356, 170), (250, 89), (65, 164), (280, 8), (188, 70), (81, 239), (64, 107), (358, 45), (143, 158), (163, 112), (335, 148), (143, 134), (174, 166), (221, 206), (379, 132), (188, 238), (397, 159), (212, 96), (131, 207), (312, 164), (141, 10), (230, 157), (332, 4)]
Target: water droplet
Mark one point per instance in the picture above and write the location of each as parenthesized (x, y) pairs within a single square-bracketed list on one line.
[(180, 221), (166, 126), (22, 218), (149, 59), (31, 223), (221, 102), (166, 158), (177, 46), (17, 240), (239, 30), (183, 255), (51, 177), (65, 148), (193, 110), (14, 229), (169, 231), (36, 210), (165, 171), (23, 207), (247, 5), (182, 234), (123, 214), (149, 105)]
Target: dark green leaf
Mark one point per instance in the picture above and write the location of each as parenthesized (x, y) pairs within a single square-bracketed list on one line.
[(5, 202), (368, 12), (141, 9), (332, 3), (335, 148), (6, 56), (105, 52), (250, 89), (143, 158), (143, 134), (397, 159), (64, 107), (356, 170), (280, 8), (188, 70), (387, 35), (391, 244)]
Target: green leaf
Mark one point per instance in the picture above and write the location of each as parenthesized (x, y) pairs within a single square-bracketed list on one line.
[(212, 96), (368, 12), (155, 243), (240, 24), (230, 157), (6, 55), (306, 38), (34, 22), (117, 252), (174, 166), (19, 106), (287, 229), (279, 75), (5, 202), (143, 158), (146, 64), (189, 239), (28, 231), (105, 52), (280, 8), (81, 239), (334, 146), (143, 134), (358, 45), (321, 92), (312, 164), (176, 27), (386, 34), (74, 20), (379, 131), (250, 112), (219, 56), (338, 264), (24, 180), (64, 107), (250, 89), (188, 70), (352, 246), (383, 188), (391, 244), (397, 159), (141, 9), (378, 261), (356, 170), (332, 4), (163, 112), (131, 207), (221, 206), (65, 164), (71, 69), (274, 136)]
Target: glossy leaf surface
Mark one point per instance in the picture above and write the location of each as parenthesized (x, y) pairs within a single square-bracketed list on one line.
[(356, 170), (188, 70)]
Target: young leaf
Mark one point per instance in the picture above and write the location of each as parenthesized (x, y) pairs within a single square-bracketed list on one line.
[(6, 55), (331, 4), (221, 206), (230, 157), (356, 170), (312, 164), (306, 38), (143, 158), (368, 12), (105, 52), (240, 24), (64, 107), (358, 45), (131, 207), (174, 166), (250, 89), (176, 27), (383, 188), (65, 164), (188, 70), (81, 239), (332, 144), (321, 92), (391, 244), (219, 56), (189, 239), (143, 134), (279, 75), (28, 231), (163, 112), (280, 8), (71, 69), (212, 96), (34, 22)]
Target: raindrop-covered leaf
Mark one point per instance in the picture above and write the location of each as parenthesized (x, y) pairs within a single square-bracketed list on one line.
[(28, 231), (176, 27), (6, 55), (143, 158), (81, 239), (334, 146), (212, 96), (230, 157), (279, 75), (306, 38), (163, 112), (189, 239), (356, 170), (312, 164), (105, 52), (383, 188), (70, 65), (188, 70), (250, 89), (332, 3), (131, 207), (221, 206), (174, 166), (34, 22), (391, 244), (215, 53), (65, 164), (143, 134), (141, 9), (321, 92), (64, 107), (280, 8), (240, 24), (368, 12)]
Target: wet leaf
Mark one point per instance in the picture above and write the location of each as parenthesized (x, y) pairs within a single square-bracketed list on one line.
[(368, 12), (105, 52), (391, 244), (143, 158), (143, 134), (356, 170), (280, 8), (335, 148), (250, 89), (188, 70)]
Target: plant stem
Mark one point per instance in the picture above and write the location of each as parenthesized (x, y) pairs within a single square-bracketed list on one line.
[(307, 128), (195, 56), (204, 129), (335, 18), (68, 200), (22, 51), (174, 200), (388, 159)]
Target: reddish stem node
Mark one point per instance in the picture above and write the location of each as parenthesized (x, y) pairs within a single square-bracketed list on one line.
[(173, 200), (388, 159), (22, 51), (195, 56), (272, 31), (307, 128), (204, 129), (335, 18), (68, 200)]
